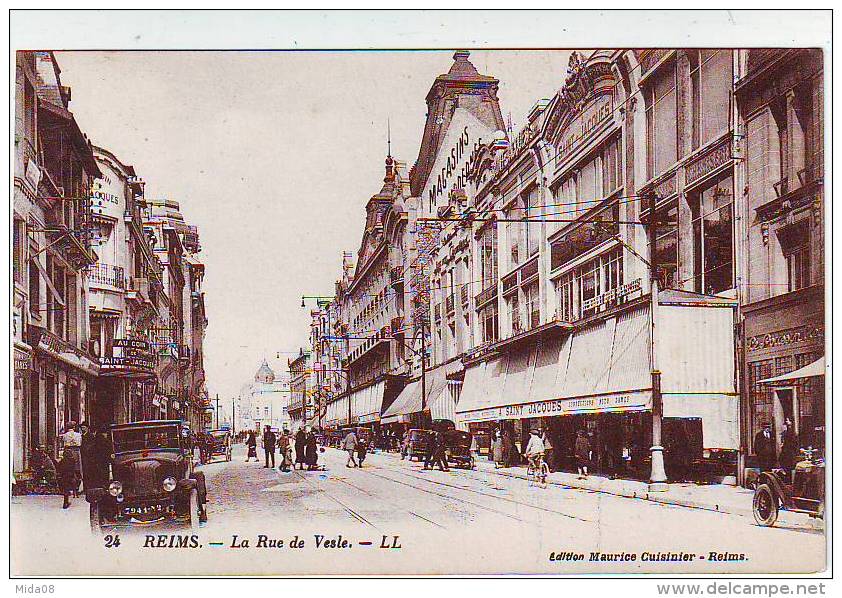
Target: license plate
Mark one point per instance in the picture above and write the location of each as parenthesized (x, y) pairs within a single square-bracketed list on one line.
[(145, 511)]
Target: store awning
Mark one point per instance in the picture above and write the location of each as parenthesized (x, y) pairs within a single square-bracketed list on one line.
[(604, 367), (409, 401), (817, 368), (367, 402)]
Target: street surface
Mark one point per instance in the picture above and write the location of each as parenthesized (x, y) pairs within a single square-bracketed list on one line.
[(450, 522)]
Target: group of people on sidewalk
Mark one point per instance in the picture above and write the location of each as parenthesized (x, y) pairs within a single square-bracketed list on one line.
[(85, 460), (304, 442), (504, 452)]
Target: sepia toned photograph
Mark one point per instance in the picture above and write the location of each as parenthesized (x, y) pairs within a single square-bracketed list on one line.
[(543, 307)]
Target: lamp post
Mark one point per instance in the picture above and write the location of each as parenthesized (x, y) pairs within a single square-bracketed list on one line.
[(658, 475)]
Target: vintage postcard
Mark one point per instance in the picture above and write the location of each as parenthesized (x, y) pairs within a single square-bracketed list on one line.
[(408, 307)]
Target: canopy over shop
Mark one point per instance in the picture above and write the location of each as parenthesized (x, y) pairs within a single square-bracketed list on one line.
[(601, 374), (439, 400)]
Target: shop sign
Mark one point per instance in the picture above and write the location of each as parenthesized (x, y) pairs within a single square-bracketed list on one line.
[(366, 419), (61, 349), (145, 362), (613, 297), (708, 162), (783, 338), (583, 125), (130, 343), (633, 400), (23, 360)]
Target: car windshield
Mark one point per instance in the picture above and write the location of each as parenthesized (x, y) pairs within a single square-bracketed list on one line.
[(152, 437), (219, 434)]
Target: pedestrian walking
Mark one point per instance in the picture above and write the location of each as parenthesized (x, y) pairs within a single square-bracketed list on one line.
[(285, 449), (437, 452), (764, 447), (497, 449), (269, 440), (251, 443), (300, 448), (71, 440), (311, 451), (582, 452), (362, 449), (405, 445), (96, 459), (789, 446), (349, 443), (68, 477), (509, 449)]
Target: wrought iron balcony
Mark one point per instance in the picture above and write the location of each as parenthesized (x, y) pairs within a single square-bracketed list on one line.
[(449, 306), (107, 275)]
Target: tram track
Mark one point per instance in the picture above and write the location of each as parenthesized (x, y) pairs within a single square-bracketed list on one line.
[(475, 491)]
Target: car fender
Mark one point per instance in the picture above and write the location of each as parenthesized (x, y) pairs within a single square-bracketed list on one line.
[(186, 485), (94, 494), (775, 484)]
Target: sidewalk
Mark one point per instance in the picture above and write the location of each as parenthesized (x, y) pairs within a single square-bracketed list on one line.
[(713, 497)]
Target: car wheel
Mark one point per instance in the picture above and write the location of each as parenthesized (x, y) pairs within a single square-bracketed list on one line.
[(765, 506), (193, 510), (96, 520)]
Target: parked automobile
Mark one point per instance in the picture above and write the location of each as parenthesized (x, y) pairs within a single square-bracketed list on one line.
[(152, 479), (458, 448), (418, 442), (218, 443), (800, 491)]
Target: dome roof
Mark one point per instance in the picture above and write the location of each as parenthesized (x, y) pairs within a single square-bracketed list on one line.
[(265, 374)]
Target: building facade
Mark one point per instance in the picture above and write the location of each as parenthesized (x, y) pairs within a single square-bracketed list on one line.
[(264, 402), (54, 171), (780, 98), (96, 304)]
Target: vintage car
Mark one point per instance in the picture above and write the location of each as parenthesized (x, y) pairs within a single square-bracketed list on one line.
[(458, 445), (418, 443), (218, 442), (152, 479), (800, 491)]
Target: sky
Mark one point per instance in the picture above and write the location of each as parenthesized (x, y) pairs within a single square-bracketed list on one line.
[(273, 155)]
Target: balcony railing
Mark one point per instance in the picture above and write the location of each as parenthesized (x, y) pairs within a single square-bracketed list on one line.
[(463, 295), (108, 275), (449, 304), (396, 275)]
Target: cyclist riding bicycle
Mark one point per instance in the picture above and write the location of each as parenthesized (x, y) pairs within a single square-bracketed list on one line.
[(535, 449)]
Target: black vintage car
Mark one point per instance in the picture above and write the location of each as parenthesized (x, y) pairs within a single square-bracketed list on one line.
[(801, 490), (152, 479), (217, 442)]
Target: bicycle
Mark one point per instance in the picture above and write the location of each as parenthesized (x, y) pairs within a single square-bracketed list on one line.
[(537, 472)]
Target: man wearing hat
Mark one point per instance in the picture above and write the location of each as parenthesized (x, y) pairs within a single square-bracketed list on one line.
[(764, 447)]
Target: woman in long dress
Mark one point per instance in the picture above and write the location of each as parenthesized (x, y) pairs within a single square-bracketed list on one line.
[(300, 448), (497, 449), (311, 451)]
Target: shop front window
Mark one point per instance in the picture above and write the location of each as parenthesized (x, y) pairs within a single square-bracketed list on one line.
[(514, 313), (711, 81), (666, 247), (589, 284), (489, 322), (795, 246), (533, 314), (564, 292), (713, 236), (488, 257), (661, 122)]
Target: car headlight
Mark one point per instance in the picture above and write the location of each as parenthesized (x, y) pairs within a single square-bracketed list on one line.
[(115, 488), (169, 484)]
